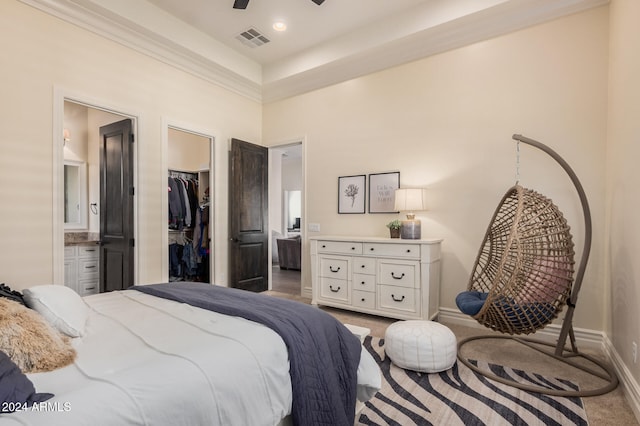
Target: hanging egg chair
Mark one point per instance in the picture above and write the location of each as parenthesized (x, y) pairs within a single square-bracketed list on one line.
[(523, 277), (523, 274)]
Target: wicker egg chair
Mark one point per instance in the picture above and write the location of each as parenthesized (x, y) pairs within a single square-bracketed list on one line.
[(523, 277)]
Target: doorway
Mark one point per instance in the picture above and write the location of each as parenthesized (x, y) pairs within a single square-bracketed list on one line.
[(189, 240), (77, 160), (286, 194)]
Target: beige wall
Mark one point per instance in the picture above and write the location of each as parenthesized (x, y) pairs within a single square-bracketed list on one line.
[(623, 196), (445, 123), (40, 53), (187, 151)]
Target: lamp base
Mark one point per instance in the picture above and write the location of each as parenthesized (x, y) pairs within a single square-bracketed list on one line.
[(410, 230)]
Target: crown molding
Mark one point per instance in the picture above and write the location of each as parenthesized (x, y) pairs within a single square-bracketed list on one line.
[(114, 27), (339, 60)]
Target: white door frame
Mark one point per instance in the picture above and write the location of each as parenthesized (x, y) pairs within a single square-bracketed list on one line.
[(305, 292), (60, 95), (212, 136)]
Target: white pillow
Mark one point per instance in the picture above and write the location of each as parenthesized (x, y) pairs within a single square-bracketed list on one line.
[(62, 307)]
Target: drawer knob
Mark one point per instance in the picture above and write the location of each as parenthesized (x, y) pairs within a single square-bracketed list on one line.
[(397, 300), (363, 283), (408, 250), (334, 270), (395, 277), (372, 249), (90, 288), (353, 248), (90, 249), (90, 267), (362, 300), (334, 291), (324, 246), (363, 266)]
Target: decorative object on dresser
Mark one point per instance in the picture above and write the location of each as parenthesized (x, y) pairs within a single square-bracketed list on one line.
[(379, 276), (382, 187), (352, 191), (394, 228), (410, 200)]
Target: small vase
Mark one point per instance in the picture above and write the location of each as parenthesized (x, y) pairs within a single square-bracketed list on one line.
[(395, 233)]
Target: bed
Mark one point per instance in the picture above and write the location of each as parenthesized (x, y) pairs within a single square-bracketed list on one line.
[(148, 360)]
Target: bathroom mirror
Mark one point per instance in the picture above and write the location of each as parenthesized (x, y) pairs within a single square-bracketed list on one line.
[(75, 194)]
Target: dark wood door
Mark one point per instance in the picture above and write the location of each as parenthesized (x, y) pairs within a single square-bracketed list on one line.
[(248, 216), (116, 206)]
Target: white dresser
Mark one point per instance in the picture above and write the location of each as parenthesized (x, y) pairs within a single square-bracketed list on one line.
[(81, 268), (382, 276)]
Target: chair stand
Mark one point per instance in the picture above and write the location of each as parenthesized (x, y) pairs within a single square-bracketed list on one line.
[(567, 356)]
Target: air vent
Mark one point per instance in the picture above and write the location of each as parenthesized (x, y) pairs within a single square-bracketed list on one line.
[(252, 38)]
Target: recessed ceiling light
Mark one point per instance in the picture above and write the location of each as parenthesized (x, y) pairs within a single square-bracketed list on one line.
[(279, 26)]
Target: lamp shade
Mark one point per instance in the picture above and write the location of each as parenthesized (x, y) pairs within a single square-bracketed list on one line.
[(410, 199)]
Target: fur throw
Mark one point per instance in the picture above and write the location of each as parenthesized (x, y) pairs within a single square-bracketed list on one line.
[(30, 341)]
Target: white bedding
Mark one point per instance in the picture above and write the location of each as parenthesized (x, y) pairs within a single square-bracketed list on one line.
[(150, 361)]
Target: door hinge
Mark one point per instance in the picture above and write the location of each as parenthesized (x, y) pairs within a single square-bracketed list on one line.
[(132, 242), (133, 138), (133, 190)]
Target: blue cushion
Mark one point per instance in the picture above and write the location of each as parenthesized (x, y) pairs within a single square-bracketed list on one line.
[(536, 313), (470, 302), (17, 391)]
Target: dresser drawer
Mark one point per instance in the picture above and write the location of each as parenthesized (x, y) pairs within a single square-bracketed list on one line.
[(364, 299), (344, 247), (399, 299), (334, 267), (87, 268), (364, 265), (364, 282), (398, 273), (336, 290), (409, 251), (88, 251), (87, 287), (70, 251)]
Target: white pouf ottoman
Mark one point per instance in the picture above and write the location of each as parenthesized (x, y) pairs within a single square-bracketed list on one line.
[(425, 346)]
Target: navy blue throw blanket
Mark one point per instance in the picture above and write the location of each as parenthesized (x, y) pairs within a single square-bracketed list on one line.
[(323, 354)]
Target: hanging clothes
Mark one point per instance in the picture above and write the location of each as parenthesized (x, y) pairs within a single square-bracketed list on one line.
[(175, 207), (183, 201), (189, 240)]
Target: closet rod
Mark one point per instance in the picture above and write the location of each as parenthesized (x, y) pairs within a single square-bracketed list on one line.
[(180, 173)]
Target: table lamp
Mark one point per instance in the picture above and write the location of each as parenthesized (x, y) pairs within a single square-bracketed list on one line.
[(410, 200)]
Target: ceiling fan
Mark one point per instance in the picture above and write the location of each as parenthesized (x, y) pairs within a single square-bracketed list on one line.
[(242, 4)]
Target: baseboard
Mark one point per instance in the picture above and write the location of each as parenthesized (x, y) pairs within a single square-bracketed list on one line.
[(629, 385), (584, 339)]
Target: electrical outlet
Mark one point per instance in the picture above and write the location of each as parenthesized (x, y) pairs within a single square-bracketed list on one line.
[(634, 351), (314, 227)]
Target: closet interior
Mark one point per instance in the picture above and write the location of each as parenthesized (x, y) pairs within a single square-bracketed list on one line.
[(190, 243)]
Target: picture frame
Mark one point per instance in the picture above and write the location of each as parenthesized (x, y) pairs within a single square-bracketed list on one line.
[(352, 193), (382, 187)]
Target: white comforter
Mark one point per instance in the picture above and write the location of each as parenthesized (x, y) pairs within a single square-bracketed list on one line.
[(150, 361)]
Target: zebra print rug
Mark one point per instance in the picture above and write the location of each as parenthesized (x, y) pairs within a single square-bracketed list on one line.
[(461, 397)]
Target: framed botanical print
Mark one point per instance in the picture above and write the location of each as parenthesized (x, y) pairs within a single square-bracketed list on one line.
[(382, 189), (352, 192)]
